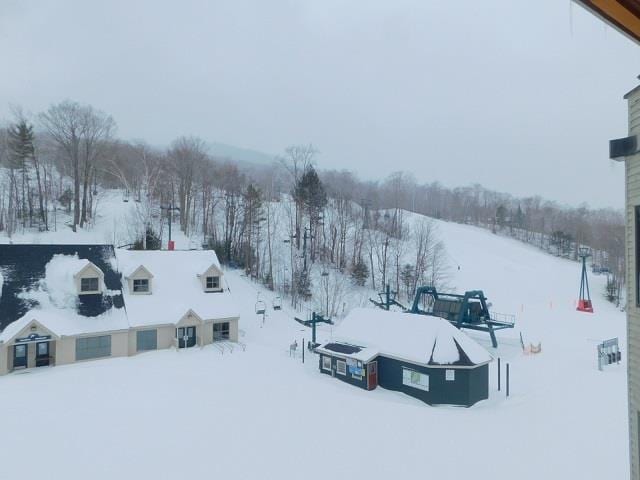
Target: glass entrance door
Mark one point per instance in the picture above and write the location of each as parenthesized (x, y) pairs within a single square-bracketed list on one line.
[(20, 355), (42, 354), (186, 337)]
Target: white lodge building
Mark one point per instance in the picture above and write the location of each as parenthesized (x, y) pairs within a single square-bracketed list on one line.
[(61, 304)]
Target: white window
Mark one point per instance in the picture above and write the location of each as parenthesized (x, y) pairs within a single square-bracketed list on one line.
[(213, 283), (89, 284), (141, 285), (221, 331), (415, 379), (450, 375), (341, 367), (326, 363)]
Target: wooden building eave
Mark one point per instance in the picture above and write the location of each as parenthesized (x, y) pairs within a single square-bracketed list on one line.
[(624, 15)]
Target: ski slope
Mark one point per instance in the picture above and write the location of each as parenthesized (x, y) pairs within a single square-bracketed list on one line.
[(260, 413)]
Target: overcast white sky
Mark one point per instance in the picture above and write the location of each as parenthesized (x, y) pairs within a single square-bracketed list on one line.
[(519, 96)]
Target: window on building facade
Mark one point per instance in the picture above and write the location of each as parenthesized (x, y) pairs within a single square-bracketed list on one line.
[(146, 340), (415, 379), (213, 283), (326, 363), (221, 331), (93, 347), (141, 285), (341, 367), (450, 375), (90, 284)]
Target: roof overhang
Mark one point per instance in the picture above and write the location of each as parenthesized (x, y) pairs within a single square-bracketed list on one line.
[(624, 15)]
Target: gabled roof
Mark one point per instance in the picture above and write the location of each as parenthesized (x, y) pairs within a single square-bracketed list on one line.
[(38, 281), (189, 314), (88, 266), (140, 271), (22, 327), (421, 339), (213, 268), (177, 287)]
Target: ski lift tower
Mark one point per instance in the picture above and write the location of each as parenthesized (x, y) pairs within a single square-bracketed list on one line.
[(387, 299), (584, 301), (170, 208)]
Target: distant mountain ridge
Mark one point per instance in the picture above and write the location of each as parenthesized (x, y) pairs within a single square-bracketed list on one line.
[(222, 150)]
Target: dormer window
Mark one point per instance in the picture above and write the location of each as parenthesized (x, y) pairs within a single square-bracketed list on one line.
[(89, 284), (211, 279), (213, 283), (89, 280), (140, 281), (140, 285)]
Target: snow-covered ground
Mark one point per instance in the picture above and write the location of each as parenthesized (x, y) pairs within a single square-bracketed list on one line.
[(261, 414), (112, 225)]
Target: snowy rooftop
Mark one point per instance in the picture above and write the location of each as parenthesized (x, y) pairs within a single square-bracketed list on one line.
[(364, 354), (38, 284), (417, 338), (176, 287)]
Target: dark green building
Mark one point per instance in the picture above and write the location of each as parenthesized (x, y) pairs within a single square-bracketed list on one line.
[(424, 357)]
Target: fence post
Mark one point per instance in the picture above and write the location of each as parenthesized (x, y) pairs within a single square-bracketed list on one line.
[(507, 379), (303, 349), (498, 373)]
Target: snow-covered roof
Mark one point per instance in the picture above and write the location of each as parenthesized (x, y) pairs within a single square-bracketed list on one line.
[(176, 287), (39, 284), (420, 339), (85, 265), (141, 271), (67, 322), (347, 350)]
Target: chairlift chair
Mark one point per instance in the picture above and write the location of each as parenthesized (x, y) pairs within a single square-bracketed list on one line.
[(261, 307), (277, 303)]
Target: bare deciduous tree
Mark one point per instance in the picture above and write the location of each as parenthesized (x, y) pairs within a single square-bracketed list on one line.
[(80, 131)]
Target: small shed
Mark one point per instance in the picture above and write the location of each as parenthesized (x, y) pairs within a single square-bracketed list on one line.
[(424, 357)]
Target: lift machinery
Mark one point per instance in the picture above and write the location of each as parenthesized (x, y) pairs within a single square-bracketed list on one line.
[(469, 311)]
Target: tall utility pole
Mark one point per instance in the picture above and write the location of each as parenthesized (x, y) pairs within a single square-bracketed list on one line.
[(584, 301), (305, 237), (170, 208), (304, 249)]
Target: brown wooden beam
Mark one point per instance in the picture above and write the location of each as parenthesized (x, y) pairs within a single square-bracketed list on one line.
[(621, 14)]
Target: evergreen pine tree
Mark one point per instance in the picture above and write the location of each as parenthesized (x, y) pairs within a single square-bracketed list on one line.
[(21, 147), (360, 272)]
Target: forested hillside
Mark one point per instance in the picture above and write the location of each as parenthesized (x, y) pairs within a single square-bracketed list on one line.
[(289, 224)]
